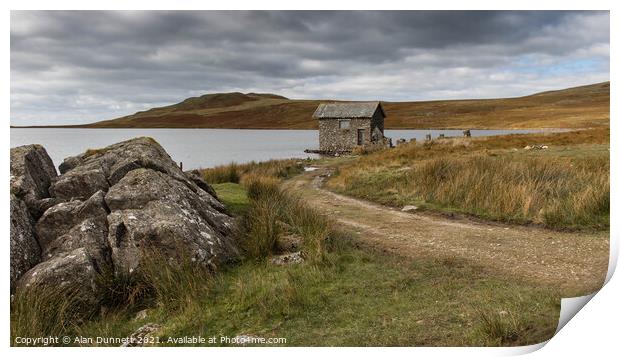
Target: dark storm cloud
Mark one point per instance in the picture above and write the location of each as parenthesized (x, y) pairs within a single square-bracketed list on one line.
[(79, 66)]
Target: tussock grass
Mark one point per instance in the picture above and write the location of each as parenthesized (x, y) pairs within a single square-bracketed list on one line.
[(175, 284), (260, 223), (263, 188), (221, 174), (235, 172), (506, 324), (56, 311), (501, 328), (262, 229), (124, 292), (165, 288), (156, 282), (562, 187), (553, 192), (46, 311), (271, 208)]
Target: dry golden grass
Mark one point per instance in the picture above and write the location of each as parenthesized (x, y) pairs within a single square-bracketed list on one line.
[(236, 172), (580, 107), (566, 186)]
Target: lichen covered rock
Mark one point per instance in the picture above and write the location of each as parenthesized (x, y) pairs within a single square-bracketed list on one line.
[(73, 272), (32, 172), (153, 211), (109, 208), (25, 251), (80, 184)]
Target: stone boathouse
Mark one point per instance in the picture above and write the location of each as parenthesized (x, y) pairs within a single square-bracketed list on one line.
[(345, 126)]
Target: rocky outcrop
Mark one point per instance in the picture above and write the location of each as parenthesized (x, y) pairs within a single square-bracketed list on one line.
[(72, 273), (25, 251), (95, 170), (80, 184), (107, 209), (32, 172), (151, 210), (73, 240)]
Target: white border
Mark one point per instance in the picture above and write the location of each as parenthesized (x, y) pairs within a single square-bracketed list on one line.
[(594, 329)]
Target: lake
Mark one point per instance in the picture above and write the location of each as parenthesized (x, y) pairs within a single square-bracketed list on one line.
[(207, 147)]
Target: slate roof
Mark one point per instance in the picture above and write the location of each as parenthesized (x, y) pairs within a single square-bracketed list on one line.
[(347, 110)]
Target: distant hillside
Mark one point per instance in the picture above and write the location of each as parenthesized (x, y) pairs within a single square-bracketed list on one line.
[(577, 107), (212, 101)]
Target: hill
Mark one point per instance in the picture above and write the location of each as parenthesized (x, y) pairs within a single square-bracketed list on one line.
[(585, 106)]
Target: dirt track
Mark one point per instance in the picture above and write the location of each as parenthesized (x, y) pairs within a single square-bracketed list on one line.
[(576, 263)]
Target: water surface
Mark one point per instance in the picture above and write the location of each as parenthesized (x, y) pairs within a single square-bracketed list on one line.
[(206, 147)]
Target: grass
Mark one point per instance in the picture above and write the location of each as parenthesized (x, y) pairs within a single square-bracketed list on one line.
[(500, 327), (234, 173), (261, 224), (346, 295), (357, 299), (222, 174), (268, 212), (363, 299), (564, 187), (234, 196), (45, 311), (274, 211)]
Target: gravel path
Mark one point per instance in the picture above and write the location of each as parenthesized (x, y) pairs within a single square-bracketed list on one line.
[(576, 263)]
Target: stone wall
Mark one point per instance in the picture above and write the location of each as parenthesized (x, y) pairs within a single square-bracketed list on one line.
[(334, 139), (377, 121)]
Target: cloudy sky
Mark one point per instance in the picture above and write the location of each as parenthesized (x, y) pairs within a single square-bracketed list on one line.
[(77, 67)]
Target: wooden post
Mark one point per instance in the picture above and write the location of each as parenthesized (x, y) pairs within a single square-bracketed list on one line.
[(181, 165)]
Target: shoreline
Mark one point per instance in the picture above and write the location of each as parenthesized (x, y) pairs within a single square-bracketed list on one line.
[(262, 128)]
